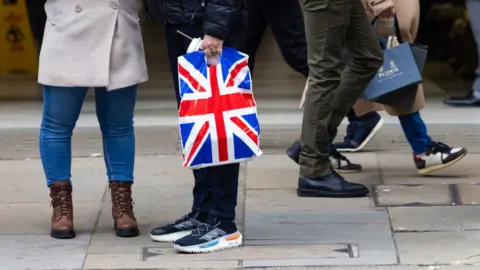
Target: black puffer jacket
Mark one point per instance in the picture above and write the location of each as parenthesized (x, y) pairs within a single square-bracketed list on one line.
[(218, 17)]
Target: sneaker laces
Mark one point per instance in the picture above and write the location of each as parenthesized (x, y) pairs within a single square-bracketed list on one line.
[(335, 154), (202, 229), (438, 147), (180, 220)]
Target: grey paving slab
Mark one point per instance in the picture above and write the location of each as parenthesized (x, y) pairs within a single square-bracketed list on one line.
[(135, 261), (35, 218), (24, 180), (286, 200), (429, 248), (400, 169), (279, 172), (404, 195), (435, 218), (167, 257), (341, 227), (372, 260), (158, 135), (42, 252), (469, 194), (370, 252), (378, 267)]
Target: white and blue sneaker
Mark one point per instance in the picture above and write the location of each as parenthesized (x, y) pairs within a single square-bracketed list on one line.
[(178, 229), (213, 235)]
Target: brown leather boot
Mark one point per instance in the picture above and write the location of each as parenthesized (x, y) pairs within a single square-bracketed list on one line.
[(122, 209), (62, 217)]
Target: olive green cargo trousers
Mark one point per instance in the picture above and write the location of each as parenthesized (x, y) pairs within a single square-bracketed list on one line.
[(331, 25)]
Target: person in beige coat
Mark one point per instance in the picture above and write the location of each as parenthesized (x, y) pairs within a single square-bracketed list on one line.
[(365, 122), (91, 44), (428, 155)]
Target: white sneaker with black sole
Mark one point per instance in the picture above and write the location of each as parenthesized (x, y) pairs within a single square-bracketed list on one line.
[(437, 157)]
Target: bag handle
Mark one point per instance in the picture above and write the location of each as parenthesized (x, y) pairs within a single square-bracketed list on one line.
[(395, 27)]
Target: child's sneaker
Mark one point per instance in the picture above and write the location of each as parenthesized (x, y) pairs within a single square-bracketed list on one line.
[(213, 235), (437, 157), (178, 229)]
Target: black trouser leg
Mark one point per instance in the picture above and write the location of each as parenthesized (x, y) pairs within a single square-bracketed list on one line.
[(286, 21), (38, 18), (215, 190), (255, 30)]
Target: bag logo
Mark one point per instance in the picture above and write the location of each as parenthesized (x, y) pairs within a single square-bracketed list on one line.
[(391, 71)]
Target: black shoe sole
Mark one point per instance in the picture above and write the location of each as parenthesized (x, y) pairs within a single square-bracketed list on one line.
[(126, 233), (323, 193), (62, 234)]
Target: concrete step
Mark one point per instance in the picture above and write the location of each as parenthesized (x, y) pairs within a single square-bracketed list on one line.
[(157, 131)]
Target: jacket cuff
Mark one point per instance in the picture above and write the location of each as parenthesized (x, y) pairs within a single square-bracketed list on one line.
[(378, 6), (215, 30)]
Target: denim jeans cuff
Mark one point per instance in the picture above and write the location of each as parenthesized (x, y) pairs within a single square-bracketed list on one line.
[(119, 179)]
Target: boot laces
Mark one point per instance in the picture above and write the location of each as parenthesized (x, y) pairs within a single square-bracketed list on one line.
[(62, 201), (122, 199)]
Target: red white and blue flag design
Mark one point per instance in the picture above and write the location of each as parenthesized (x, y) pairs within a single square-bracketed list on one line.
[(217, 116)]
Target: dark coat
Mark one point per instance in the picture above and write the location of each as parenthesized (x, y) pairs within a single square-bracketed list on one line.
[(218, 17)]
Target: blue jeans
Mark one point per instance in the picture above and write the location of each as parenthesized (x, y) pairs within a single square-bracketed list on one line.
[(415, 131), (216, 188), (115, 111), (473, 7)]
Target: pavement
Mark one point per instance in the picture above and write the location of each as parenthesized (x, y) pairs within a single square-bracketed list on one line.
[(408, 223)]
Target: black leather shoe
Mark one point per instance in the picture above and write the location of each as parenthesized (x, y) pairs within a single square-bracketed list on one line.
[(468, 100), (332, 185), (294, 151), (340, 163)]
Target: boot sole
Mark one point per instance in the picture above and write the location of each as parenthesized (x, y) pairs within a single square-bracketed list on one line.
[(62, 234), (126, 233), (322, 193)]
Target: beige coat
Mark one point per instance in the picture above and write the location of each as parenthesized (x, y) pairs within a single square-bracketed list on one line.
[(92, 43), (408, 14)]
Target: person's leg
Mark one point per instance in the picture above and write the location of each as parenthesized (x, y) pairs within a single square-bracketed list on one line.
[(115, 111), (473, 97), (366, 59), (286, 21), (331, 93), (38, 19), (255, 30), (61, 109), (219, 198), (428, 155), (177, 45), (416, 133), (219, 231), (473, 7)]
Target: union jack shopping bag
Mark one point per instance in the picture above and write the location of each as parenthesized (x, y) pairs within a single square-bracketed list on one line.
[(217, 115)]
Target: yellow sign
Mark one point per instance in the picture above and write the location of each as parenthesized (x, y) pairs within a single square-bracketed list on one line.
[(18, 52)]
